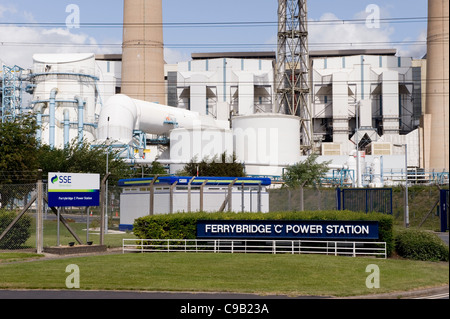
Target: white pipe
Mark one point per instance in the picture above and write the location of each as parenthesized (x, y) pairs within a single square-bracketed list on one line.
[(52, 113), (80, 103), (39, 111), (127, 115), (66, 128)]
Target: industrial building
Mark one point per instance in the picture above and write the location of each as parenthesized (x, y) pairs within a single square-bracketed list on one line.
[(357, 108), (174, 194)]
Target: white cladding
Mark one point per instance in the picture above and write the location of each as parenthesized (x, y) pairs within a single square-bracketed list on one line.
[(266, 143), (71, 78), (135, 201), (199, 143), (242, 86)]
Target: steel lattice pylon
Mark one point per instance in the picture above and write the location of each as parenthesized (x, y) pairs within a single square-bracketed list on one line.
[(292, 73), (11, 93)]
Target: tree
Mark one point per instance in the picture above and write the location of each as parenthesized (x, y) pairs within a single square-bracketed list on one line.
[(155, 168), (222, 166), (18, 150), (83, 158), (305, 173)]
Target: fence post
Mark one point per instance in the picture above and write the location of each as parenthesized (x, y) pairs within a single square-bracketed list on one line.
[(152, 195), (443, 198), (103, 207), (201, 195), (39, 215), (338, 199)]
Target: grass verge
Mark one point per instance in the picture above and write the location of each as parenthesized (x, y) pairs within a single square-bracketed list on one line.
[(244, 273)]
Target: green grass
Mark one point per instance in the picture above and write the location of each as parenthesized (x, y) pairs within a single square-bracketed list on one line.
[(51, 239), (244, 273), (14, 257)]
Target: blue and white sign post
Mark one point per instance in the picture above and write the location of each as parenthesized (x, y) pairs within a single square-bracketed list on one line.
[(73, 190)]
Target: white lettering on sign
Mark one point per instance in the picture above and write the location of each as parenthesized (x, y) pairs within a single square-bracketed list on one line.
[(292, 230)]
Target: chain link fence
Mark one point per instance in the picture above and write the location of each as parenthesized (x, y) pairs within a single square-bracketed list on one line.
[(18, 200), (15, 199)]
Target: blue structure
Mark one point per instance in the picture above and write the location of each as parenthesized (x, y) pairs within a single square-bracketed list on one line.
[(183, 180)]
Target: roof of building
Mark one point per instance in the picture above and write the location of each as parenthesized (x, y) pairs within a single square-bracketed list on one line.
[(183, 180), (269, 55), (351, 52)]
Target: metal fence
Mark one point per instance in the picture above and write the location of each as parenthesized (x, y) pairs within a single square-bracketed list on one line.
[(424, 212), (365, 200), (14, 199), (336, 248), (17, 203)]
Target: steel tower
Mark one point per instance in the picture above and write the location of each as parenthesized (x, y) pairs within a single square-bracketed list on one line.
[(292, 73)]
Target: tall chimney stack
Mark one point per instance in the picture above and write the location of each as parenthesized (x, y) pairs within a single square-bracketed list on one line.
[(143, 51), (436, 119)]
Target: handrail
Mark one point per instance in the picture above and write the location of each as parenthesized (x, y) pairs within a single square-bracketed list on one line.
[(336, 248)]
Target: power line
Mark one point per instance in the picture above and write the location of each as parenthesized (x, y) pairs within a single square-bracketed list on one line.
[(221, 23)]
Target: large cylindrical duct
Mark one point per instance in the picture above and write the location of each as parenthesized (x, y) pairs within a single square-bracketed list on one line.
[(437, 102), (143, 52)]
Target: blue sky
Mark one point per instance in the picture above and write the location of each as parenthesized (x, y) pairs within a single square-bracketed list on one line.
[(28, 39)]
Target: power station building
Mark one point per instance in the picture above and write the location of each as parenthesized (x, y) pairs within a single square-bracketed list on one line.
[(368, 100)]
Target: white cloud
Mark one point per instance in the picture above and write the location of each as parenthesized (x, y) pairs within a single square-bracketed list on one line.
[(19, 44), (346, 35), (9, 9), (172, 56), (417, 48)]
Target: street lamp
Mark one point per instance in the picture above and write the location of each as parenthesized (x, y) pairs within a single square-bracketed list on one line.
[(406, 184)]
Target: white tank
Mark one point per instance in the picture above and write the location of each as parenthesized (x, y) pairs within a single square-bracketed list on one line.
[(352, 164), (62, 84), (199, 143), (377, 180), (266, 143)]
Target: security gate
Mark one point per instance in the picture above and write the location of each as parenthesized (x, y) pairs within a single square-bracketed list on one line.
[(365, 200)]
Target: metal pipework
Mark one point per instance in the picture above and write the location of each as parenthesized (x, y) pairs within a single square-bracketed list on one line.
[(80, 118), (52, 113), (66, 128)]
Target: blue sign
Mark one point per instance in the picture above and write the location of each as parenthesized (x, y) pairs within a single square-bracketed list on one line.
[(73, 190), (287, 229)]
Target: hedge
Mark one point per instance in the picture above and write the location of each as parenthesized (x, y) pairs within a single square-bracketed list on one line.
[(19, 234), (184, 225), (420, 245)]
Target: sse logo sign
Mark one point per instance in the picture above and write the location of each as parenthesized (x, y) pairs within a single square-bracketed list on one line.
[(61, 179), (73, 190)]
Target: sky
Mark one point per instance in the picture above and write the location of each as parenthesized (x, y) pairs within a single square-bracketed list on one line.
[(29, 26)]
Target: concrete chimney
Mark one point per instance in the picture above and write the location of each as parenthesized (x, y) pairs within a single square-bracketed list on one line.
[(436, 118), (143, 51)]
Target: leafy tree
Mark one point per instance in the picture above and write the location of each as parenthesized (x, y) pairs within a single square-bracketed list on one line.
[(83, 158), (306, 173), (18, 150), (155, 168), (219, 166)]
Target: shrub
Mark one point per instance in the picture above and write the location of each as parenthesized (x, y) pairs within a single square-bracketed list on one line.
[(184, 225), (19, 234), (421, 245)]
